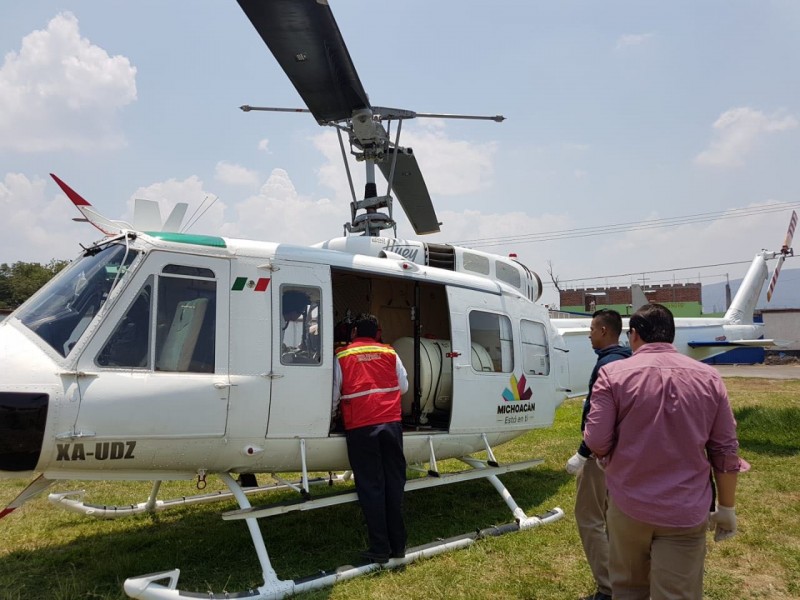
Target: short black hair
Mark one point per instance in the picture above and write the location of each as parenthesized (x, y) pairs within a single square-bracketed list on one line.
[(610, 318), (367, 325), (294, 301), (654, 323)]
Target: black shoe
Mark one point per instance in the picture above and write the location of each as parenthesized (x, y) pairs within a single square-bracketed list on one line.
[(375, 557), (597, 596)]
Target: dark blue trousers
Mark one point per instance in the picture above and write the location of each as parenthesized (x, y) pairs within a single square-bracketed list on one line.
[(379, 466)]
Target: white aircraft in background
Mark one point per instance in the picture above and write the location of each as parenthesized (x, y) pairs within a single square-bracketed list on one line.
[(698, 337)]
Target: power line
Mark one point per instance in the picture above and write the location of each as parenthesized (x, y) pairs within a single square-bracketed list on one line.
[(531, 238), (651, 272), (638, 273)]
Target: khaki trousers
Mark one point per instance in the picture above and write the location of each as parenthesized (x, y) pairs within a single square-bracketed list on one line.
[(590, 516), (647, 561)]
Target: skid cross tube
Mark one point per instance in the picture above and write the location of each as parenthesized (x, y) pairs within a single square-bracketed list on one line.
[(73, 501), (151, 587)]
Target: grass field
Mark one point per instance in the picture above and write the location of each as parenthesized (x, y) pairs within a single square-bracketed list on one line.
[(48, 553)]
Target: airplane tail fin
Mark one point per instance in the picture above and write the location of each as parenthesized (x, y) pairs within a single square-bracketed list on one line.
[(746, 299), (107, 226), (638, 298), (36, 487), (744, 302), (146, 217)]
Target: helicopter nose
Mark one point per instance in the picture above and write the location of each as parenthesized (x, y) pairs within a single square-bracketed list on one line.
[(22, 420)]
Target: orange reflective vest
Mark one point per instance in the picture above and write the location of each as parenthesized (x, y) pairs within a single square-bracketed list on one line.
[(370, 389)]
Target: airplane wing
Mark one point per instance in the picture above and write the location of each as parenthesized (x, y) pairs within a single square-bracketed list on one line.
[(761, 343)]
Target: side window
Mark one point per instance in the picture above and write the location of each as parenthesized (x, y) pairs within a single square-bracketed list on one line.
[(476, 263), (301, 325), (129, 345), (535, 354), (186, 320), (508, 273), (492, 342)]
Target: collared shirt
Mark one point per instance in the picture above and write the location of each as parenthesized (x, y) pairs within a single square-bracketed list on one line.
[(658, 418)]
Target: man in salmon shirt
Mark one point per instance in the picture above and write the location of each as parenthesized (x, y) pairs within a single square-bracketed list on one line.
[(661, 423), (368, 381)]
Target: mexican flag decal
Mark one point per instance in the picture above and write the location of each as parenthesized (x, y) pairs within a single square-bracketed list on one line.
[(257, 286)]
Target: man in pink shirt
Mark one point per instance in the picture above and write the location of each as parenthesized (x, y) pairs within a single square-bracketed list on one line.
[(661, 423)]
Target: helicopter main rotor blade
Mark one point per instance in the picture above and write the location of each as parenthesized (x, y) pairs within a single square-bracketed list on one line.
[(410, 190), (305, 39)]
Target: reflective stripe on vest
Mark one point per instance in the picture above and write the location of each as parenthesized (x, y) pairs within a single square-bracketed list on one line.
[(373, 391), (366, 399)]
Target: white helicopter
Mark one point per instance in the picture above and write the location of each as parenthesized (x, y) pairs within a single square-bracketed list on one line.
[(158, 355), (698, 337)]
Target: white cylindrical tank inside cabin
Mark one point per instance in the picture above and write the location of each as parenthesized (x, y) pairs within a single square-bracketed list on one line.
[(435, 373)]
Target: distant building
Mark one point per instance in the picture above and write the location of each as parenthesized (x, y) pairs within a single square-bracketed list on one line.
[(783, 326), (684, 300)]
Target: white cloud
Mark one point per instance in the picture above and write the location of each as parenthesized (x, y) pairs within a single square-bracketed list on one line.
[(235, 174), (205, 213), (279, 214), (263, 145), (35, 228), (450, 167), (61, 92), (737, 131), (632, 39)]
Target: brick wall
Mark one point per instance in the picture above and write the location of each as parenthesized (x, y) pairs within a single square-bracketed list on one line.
[(580, 299)]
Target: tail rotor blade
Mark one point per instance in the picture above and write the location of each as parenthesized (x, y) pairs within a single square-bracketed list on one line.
[(786, 249), (772, 283), (787, 244)]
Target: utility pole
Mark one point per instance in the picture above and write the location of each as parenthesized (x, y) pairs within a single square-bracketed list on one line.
[(727, 292)]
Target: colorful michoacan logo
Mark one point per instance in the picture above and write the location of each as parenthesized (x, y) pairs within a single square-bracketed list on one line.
[(515, 399), (518, 391)]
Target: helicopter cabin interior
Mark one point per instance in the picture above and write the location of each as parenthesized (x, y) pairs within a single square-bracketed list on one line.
[(402, 305)]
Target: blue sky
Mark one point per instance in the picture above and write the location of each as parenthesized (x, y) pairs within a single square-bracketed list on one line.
[(618, 111)]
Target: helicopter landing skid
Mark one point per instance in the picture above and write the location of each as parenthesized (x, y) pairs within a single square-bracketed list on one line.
[(73, 500), (147, 587)]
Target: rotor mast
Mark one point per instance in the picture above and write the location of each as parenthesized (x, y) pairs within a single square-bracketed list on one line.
[(306, 41)]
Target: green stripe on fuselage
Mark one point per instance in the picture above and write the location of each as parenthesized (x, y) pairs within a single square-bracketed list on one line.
[(188, 238)]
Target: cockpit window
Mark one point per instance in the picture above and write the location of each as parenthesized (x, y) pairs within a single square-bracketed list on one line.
[(61, 311), (129, 345)]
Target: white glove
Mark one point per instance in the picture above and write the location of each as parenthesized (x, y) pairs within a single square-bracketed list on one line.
[(723, 521), (575, 464)]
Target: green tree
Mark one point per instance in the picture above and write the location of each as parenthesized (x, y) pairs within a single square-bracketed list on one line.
[(19, 281)]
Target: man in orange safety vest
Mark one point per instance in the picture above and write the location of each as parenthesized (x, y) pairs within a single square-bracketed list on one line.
[(368, 381)]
